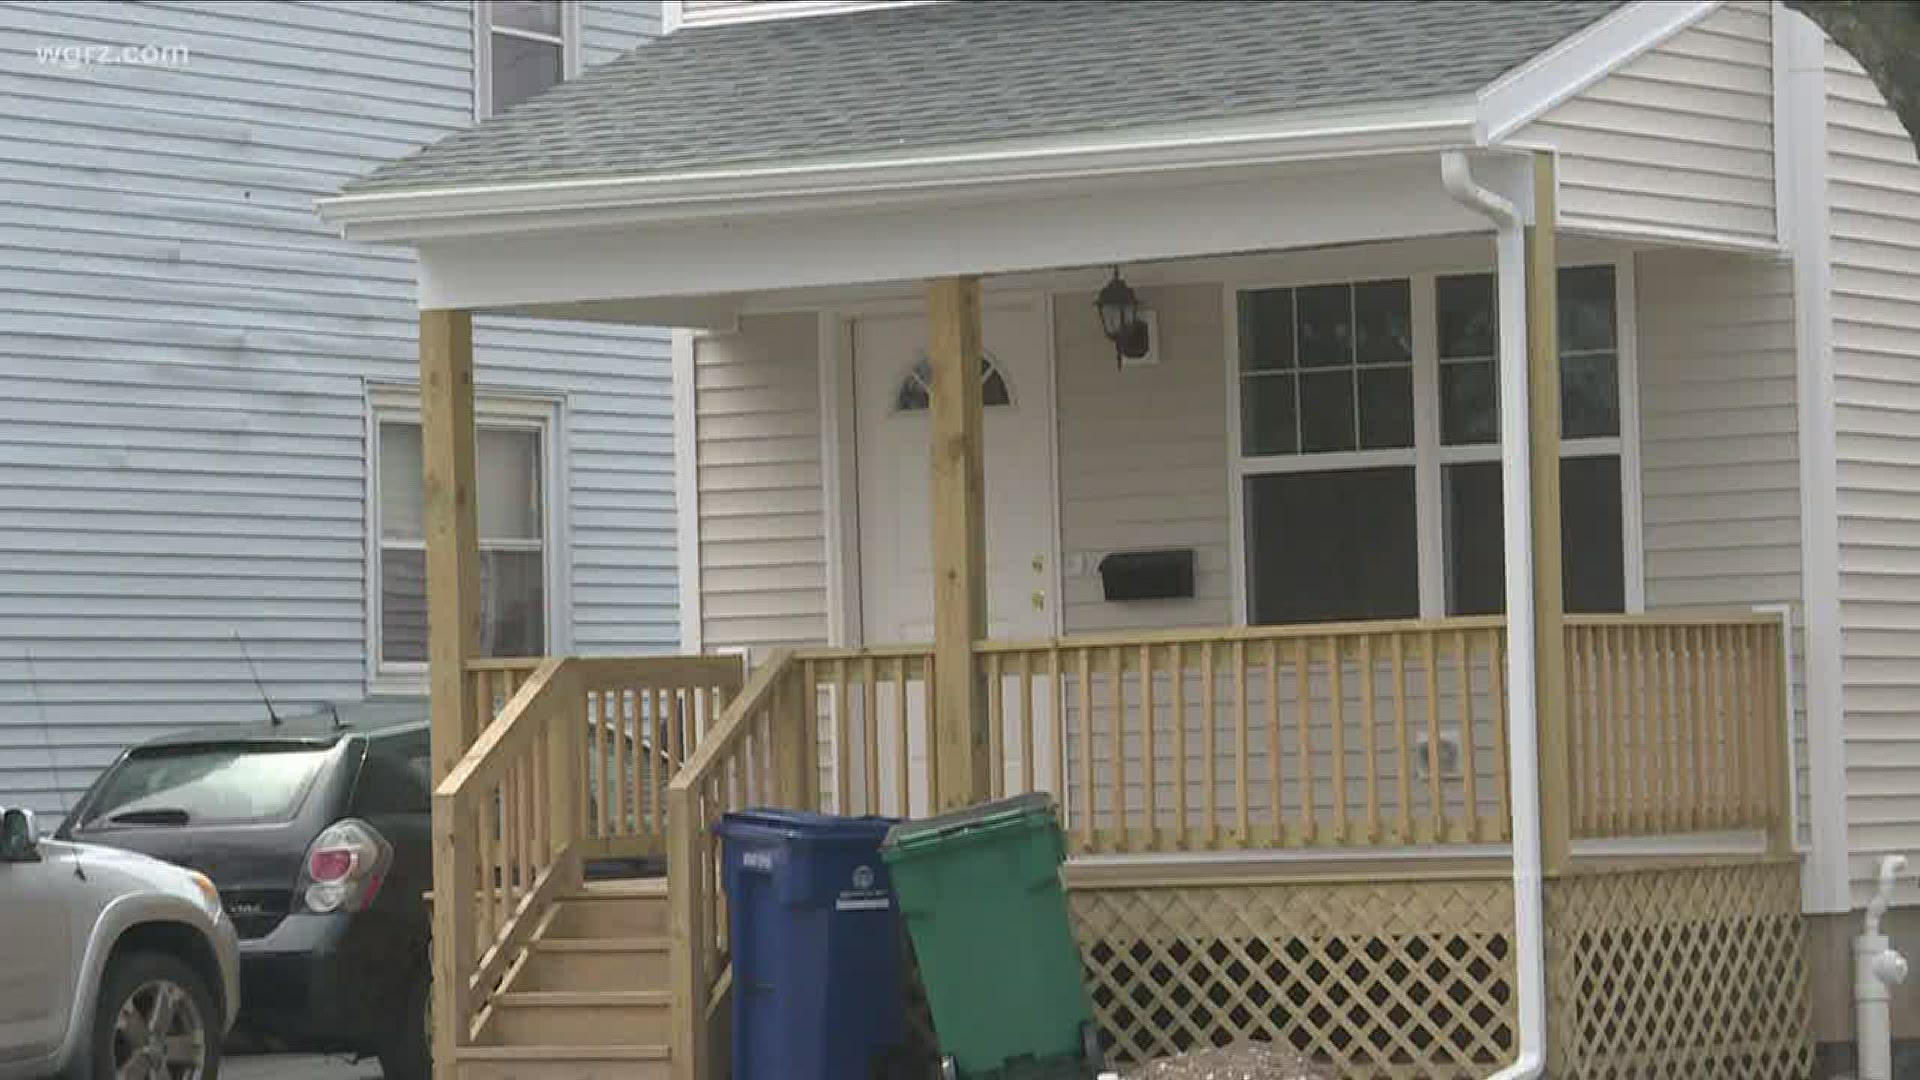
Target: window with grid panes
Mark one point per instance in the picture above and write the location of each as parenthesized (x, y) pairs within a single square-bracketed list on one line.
[(1330, 454)]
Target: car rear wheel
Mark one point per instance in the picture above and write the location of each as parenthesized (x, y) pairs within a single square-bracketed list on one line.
[(409, 1056), (154, 1022)]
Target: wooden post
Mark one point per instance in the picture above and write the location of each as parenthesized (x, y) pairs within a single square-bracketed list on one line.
[(453, 637), (1780, 837), (1549, 601), (565, 741), (688, 880), (959, 539)]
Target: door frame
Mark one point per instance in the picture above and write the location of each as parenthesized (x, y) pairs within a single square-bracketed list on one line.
[(840, 455)]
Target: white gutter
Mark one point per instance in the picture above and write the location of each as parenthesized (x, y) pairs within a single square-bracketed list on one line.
[(1529, 921)]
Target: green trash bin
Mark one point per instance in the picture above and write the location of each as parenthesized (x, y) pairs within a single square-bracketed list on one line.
[(980, 892)]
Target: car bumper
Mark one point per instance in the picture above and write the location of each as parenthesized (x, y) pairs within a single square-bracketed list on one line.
[(226, 950), (323, 982)]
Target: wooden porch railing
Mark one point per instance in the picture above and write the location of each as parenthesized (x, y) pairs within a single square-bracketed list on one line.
[(1350, 735), (1677, 724), (753, 756), (572, 765), (643, 719), (1264, 737), (493, 682)]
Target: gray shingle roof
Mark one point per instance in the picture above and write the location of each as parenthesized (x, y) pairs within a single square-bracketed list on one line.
[(929, 76)]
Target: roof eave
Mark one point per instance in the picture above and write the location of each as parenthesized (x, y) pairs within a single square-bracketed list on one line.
[(932, 176)]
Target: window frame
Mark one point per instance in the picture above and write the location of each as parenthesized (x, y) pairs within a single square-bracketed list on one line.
[(546, 417), (1428, 457), (483, 31)]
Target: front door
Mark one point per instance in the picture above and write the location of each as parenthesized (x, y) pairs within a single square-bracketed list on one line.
[(896, 538), (896, 545)]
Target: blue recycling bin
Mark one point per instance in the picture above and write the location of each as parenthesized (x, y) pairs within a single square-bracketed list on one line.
[(816, 945)]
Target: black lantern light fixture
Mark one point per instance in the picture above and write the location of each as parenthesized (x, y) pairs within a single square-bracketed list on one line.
[(1120, 319)]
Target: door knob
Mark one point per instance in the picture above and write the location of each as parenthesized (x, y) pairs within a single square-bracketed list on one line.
[(1039, 600)]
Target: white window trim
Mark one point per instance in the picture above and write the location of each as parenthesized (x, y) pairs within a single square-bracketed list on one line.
[(1427, 456), (483, 31), (531, 411)]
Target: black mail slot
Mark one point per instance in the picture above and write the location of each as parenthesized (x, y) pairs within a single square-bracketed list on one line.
[(1148, 575)]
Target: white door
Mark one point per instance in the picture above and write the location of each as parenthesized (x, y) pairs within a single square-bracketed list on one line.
[(896, 546)]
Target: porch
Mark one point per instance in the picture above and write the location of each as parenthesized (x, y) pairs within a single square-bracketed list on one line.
[(1296, 833)]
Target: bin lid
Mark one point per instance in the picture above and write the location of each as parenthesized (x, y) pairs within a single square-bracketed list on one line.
[(988, 815), (770, 823)]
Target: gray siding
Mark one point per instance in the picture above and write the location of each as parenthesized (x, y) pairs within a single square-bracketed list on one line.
[(1680, 139), (184, 366), (1719, 433), (1873, 197)]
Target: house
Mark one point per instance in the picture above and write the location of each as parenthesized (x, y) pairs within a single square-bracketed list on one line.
[(1430, 489), (208, 401)]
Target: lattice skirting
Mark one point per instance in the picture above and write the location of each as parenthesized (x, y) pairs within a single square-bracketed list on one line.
[(1694, 973), (1379, 979)]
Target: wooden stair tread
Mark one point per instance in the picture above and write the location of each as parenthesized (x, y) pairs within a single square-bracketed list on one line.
[(600, 890), (583, 998), (643, 943), (615, 1052)]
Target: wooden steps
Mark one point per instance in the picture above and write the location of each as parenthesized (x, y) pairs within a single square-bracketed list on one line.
[(597, 963), (588, 1000)]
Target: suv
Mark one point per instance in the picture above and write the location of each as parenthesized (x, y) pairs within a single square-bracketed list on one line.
[(113, 964), (316, 831)]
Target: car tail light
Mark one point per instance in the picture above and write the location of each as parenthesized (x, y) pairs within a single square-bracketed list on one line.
[(345, 867)]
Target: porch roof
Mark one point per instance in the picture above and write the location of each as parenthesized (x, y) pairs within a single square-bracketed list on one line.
[(926, 77)]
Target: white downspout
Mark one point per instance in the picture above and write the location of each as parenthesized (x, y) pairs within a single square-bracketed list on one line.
[(1516, 489), (1877, 969)]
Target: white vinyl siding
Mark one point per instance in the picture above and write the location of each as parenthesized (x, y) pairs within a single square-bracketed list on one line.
[(1143, 457), (183, 380), (763, 570), (1678, 140), (1874, 217), (1719, 439)]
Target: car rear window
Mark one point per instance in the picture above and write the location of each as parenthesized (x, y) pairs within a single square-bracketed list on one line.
[(231, 784)]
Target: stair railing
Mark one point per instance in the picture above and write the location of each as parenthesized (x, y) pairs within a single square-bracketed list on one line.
[(756, 755), (506, 836)]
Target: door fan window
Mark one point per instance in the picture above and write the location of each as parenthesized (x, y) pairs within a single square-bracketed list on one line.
[(916, 389)]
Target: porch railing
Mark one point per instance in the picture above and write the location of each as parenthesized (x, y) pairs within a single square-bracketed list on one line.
[(1331, 736), (1677, 724), (572, 765), (1354, 735)]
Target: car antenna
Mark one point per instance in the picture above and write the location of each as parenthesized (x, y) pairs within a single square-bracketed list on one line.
[(46, 733), (257, 684)]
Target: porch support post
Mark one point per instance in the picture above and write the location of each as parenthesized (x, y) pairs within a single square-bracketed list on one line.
[(959, 540), (453, 636), (1549, 600)]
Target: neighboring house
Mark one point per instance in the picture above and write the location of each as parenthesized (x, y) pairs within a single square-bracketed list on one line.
[(209, 402), (1308, 463)]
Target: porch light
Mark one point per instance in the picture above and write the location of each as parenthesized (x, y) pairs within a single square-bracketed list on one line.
[(1120, 319)]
